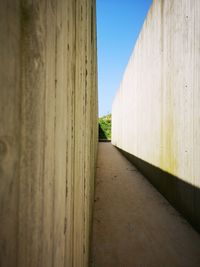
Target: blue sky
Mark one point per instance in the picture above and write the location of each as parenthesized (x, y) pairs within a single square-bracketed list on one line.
[(118, 25)]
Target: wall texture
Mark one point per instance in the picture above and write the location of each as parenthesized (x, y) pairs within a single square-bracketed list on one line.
[(156, 111), (48, 133)]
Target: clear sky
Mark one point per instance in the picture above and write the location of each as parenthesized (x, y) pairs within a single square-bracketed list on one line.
[(118, 25)]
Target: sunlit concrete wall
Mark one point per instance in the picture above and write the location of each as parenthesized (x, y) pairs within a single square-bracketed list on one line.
[(48, 131), (156, 111)]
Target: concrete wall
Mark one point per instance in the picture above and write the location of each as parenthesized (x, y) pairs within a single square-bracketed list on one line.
[(156, 111), (48, 133)]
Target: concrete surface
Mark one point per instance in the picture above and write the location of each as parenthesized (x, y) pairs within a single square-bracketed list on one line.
[(133, 224), (48, 131), (156, 111)]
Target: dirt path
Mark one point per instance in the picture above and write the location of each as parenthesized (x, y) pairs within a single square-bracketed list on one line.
[(133, 224)]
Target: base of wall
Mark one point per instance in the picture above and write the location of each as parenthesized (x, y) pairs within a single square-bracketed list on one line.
[(183, 196)]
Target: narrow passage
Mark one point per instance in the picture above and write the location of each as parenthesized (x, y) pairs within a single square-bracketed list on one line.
[(133, 224)]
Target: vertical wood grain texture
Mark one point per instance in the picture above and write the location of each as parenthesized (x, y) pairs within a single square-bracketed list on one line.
[(48, 133), (9, 130)]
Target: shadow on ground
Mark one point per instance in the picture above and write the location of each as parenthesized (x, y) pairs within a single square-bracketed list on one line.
[(183, 196)]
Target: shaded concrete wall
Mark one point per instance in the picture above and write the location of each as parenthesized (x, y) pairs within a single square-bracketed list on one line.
[(156, 111), (48, 133)]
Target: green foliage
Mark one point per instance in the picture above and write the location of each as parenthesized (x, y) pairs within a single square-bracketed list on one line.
[(105, 127)]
